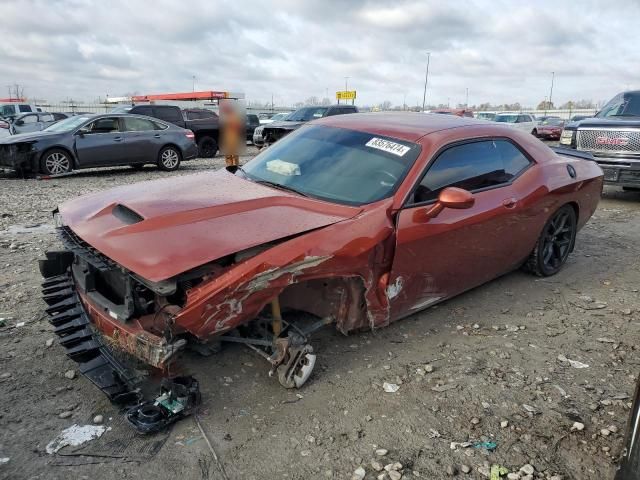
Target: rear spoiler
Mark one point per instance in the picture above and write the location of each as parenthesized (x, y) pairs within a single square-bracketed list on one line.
[(569, 152)]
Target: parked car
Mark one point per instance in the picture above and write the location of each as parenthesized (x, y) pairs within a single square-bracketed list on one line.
[(460, 112), (271, 133), (522, 121), (322, 228), (549, 129), (13, 109), (98, 141), (485, 115), (629, 465), (253, 122), (613, 138), (31, 122), (272, 117), (206, 129), (4, 128)]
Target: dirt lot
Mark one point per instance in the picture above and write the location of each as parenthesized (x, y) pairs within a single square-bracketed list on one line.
[(483, 367)]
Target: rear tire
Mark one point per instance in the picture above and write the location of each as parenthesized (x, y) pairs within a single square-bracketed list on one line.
[(534, 132), (207, 147), (56, 162), (169, 159), (555, 243)]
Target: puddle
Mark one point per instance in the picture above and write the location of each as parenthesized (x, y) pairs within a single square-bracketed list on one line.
[(30, 229)]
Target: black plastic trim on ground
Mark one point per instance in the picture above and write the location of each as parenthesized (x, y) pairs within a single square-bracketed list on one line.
[(78, 337)]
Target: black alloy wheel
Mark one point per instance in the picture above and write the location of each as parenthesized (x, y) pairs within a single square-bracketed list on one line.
[(555, 243)]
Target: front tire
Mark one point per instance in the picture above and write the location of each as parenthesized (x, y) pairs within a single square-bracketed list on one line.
[(555, 243), (207, 147), (534, 132), (169, 159), (56, 162)]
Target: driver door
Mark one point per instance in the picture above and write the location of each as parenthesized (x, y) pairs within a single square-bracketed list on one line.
[(101, 143), (437, 258)]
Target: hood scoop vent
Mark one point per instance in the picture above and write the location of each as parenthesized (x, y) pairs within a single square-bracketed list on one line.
[(126, 215)]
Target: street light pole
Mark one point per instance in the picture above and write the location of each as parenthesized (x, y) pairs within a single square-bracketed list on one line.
[(346, 79), (466, 102), (194, 83), (426, 79), (551, 91)]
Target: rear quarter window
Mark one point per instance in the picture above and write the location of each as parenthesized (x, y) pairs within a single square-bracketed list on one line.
[(25, 108), (169, 114)]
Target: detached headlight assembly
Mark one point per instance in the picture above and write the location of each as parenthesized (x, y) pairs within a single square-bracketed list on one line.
[(567, 136)]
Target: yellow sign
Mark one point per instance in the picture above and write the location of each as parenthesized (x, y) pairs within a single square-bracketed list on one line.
[(346, 95)]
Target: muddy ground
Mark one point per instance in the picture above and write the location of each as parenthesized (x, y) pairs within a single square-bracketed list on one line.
[(482, 367)]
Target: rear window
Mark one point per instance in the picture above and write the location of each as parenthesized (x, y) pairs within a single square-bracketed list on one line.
[(25, 108)]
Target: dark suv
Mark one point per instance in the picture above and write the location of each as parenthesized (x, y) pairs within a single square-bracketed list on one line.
[(272, 132), (613, 138)]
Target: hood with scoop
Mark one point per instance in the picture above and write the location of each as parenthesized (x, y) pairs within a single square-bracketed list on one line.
[(161, 228)]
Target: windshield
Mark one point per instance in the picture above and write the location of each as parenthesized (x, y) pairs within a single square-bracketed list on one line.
[(279, 116), (307, 114), (67, 124), (622, 105), (335, 164), (552, 121), (506, 118)]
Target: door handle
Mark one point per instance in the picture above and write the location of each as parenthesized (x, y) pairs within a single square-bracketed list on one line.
[(157, 135), (509, 202), (117, 139)]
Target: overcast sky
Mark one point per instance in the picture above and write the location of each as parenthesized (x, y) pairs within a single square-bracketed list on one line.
[(502, 50)]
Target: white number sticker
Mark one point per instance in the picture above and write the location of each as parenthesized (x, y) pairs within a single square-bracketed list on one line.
[(388, 146)]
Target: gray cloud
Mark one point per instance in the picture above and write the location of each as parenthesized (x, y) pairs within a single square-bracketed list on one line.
[(503, 51)]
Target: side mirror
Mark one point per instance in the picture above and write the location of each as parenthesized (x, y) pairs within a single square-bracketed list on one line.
[(451, 197), (20, 123)]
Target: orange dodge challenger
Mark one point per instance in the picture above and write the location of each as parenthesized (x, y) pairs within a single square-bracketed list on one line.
[(354, 221)]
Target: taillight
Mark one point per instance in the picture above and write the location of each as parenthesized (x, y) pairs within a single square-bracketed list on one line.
[(190, 134)]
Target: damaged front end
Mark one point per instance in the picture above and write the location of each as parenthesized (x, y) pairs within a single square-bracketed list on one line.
[(18, 156)]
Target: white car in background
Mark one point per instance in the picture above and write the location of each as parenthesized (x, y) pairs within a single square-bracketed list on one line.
[(274, 118), (522, 121)]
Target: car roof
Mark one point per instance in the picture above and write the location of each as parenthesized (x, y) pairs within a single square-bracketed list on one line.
[(403, 125)]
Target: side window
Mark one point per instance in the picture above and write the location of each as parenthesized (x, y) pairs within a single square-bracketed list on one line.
[(471, 166), (333, 111), (25, 108), (144, 111), (134, 124), (46, 117), (29, 119), (173, 115), (103, 125), (524, 118), (8, 110), (160, 126), (59, 116), (192, 115)]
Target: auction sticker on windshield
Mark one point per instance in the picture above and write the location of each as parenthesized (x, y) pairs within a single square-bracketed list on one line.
[(388, 146)]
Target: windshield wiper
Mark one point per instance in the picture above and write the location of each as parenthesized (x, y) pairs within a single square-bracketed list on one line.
[(279, 186)]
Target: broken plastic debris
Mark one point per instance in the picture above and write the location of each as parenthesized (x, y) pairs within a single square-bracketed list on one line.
[(390, 387), (283, 168), (456, 445), (491, 446), (444, 388), (573, 363), (20, 324), (75, 435), (497, 471), (4, 460)]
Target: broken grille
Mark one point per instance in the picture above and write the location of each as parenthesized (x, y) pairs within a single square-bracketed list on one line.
[(82, 249), (615, 141)]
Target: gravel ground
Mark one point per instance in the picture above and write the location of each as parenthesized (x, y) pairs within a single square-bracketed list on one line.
[(497, 364)]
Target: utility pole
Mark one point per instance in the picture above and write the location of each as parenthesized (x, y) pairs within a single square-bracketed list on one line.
[(346, 82), (272, 102), (404, 102), (466, 102), (194, 83), (426, 79), (553, 74)]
